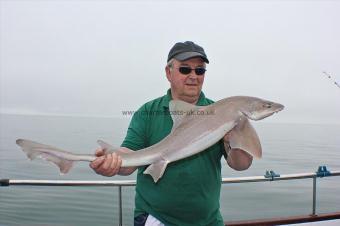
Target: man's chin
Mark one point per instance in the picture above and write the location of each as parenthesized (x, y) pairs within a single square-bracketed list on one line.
[(193, 91)]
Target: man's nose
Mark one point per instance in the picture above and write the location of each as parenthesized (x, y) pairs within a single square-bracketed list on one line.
[(192, 75)]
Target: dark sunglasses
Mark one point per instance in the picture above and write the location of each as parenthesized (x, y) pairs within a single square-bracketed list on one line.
[(185, 70)]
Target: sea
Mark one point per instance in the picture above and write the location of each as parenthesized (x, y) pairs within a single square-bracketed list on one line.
[(287, 149)]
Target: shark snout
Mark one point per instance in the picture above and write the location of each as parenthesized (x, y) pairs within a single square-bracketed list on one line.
[(278, 107), (263, 109), (274, 108)]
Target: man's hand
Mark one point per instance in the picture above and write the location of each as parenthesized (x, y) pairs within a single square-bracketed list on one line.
[(110, 164)]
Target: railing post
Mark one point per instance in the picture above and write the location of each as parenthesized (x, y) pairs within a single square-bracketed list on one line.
[(314, 196), (120, 205)]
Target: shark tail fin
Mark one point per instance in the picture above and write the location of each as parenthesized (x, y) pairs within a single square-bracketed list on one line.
[(156, 170), (36, 150)]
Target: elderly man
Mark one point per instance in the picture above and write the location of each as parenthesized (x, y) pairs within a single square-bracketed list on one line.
[(189, 191)]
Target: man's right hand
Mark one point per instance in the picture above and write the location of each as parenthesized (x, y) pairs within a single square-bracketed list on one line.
[(110, 164)]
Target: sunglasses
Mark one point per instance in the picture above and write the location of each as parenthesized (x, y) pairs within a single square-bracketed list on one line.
[(185, 70)]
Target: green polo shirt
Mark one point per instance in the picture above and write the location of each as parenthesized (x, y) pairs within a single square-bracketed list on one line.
[(189, 191)]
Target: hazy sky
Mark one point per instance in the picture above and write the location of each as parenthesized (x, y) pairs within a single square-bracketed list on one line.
[(99, 58)]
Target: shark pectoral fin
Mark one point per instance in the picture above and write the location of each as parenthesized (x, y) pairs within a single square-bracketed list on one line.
[(156, 170), (244, 136)]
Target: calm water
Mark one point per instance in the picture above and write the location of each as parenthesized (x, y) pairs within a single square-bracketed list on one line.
[(288, 148)]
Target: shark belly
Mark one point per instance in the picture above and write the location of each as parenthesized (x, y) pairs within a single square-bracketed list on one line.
[(200, 143)]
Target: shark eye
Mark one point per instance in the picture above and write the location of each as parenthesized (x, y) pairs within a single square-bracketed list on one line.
[(267, 105)]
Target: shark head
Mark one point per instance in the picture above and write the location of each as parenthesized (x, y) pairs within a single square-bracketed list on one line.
[(257, 109)]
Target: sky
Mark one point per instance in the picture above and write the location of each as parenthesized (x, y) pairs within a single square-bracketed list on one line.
[(99, 58)]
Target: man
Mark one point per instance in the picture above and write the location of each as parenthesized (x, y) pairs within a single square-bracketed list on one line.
[(189, 191)]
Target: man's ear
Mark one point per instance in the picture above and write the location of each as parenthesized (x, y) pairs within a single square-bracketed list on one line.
[(168, 73)]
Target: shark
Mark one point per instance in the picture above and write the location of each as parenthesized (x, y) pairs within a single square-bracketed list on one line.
[(195, 128)]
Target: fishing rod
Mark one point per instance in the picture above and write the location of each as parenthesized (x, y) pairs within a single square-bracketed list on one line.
[(331, 78)]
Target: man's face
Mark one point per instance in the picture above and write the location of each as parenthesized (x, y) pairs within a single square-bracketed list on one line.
[(186, 87)]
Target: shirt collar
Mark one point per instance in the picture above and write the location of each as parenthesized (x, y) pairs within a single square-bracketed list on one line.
[(168, 97)]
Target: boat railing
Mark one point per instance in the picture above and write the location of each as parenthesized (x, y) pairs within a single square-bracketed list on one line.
[(270, 176)]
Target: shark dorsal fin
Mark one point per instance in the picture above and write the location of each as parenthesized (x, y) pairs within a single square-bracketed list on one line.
[(108, 148), (179, 109)]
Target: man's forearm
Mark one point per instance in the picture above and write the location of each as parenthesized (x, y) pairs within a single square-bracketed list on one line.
[(125, 171)]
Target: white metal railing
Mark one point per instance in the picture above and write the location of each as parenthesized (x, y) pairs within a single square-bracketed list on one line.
[(269, 176)]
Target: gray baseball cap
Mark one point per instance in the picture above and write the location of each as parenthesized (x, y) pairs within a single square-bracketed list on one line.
[(186, 50)]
